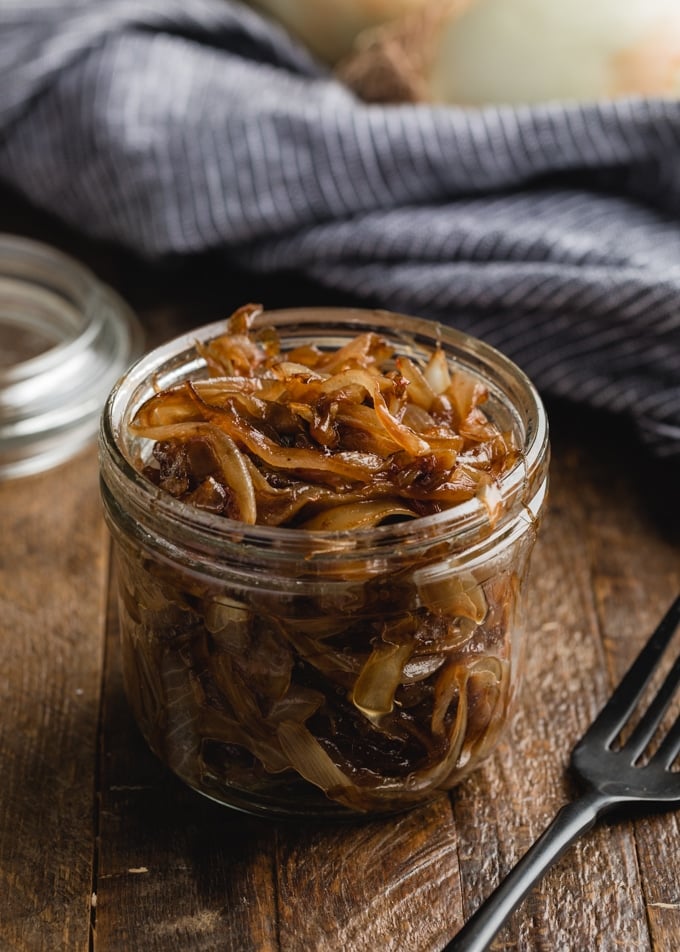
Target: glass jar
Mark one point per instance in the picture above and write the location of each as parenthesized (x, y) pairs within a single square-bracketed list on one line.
[(65, 338), (248, 651)]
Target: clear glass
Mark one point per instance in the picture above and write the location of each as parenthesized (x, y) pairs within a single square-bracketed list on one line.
[(65, 338), (247, 650)]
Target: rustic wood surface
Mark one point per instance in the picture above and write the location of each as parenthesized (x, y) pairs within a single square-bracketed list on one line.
[(102, 849)]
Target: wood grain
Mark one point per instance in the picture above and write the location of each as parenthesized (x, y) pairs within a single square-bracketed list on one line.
[(87, 811), (53, 570), (391, 884)]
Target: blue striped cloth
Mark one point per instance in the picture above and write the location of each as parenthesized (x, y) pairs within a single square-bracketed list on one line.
[(177, 126)]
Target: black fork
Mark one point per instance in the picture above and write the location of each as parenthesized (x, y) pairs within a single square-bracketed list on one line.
[(612, 775)]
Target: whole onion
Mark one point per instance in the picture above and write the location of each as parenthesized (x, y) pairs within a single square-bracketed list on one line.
[(475, 52), (330, 27)]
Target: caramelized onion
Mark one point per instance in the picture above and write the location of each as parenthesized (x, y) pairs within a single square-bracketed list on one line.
[(376, 688), (294, 432)]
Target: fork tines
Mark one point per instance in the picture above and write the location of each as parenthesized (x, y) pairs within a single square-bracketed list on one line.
[(615, 714)]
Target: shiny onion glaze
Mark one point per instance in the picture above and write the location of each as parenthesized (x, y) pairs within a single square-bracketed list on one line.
[(322, 440)]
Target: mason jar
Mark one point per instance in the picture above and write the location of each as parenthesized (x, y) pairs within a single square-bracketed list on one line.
[(285, 671)]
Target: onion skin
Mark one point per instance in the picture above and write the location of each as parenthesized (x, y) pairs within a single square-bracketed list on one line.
[(515, 52), (329, 28)]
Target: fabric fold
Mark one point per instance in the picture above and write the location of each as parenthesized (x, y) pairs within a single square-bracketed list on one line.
[(181, 127)]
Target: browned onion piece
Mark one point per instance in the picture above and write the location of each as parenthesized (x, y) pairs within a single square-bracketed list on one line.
[(232, 464), (309, 758), (437, 372), (376, 685), (358, 515), (419, 390), (401, 434)]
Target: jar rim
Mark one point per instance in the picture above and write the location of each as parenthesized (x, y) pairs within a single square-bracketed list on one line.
[(465, 517), (66, 338)]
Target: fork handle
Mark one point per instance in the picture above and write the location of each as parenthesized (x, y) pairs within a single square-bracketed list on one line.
[(571, 821)]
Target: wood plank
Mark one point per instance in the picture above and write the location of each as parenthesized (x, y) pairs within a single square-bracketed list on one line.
[(53, 567), (388, 884)]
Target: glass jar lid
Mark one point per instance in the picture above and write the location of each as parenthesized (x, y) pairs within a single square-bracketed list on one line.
[(65, 338)]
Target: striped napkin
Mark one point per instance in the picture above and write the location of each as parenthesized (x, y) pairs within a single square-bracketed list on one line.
[(178, 126)]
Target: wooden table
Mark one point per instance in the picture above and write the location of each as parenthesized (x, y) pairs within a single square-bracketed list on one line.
[(102, 849)]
